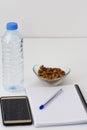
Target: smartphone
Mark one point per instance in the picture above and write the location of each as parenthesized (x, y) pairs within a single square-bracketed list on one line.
[(15, 110)]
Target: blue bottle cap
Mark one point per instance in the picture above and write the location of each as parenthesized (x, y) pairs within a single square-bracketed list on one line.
[(12, 26)]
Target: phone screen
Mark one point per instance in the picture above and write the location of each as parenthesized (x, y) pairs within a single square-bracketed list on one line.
[(15, 110)]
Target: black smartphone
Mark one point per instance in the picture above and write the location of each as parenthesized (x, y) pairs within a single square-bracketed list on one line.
[(16, 110)]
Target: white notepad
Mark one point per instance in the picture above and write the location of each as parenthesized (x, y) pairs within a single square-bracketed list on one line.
[(67, 108)]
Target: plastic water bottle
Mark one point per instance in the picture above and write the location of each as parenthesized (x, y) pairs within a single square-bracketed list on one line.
[(12, 58)]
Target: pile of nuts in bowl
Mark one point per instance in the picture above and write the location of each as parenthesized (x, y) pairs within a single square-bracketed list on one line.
[(50, 73)]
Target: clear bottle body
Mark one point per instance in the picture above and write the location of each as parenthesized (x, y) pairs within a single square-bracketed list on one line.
[(12, 61)]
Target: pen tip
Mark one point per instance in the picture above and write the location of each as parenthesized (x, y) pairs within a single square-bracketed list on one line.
[(41, 107)]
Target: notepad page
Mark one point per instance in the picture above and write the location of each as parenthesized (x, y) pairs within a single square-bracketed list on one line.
[(66, 108)]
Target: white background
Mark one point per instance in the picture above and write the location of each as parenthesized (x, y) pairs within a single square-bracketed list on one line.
[(50, 18), (46, 18)]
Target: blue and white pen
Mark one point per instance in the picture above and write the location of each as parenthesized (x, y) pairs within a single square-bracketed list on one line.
[(50, 99)]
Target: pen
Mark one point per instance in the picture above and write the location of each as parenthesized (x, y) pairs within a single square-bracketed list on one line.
[(50, 99)]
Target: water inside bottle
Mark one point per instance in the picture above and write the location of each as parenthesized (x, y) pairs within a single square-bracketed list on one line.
[(13, 66)]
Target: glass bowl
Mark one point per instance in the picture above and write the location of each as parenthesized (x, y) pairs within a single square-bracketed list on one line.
[(55, 81)]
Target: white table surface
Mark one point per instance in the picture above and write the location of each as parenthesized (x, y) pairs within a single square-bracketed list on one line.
[(70, 52)]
